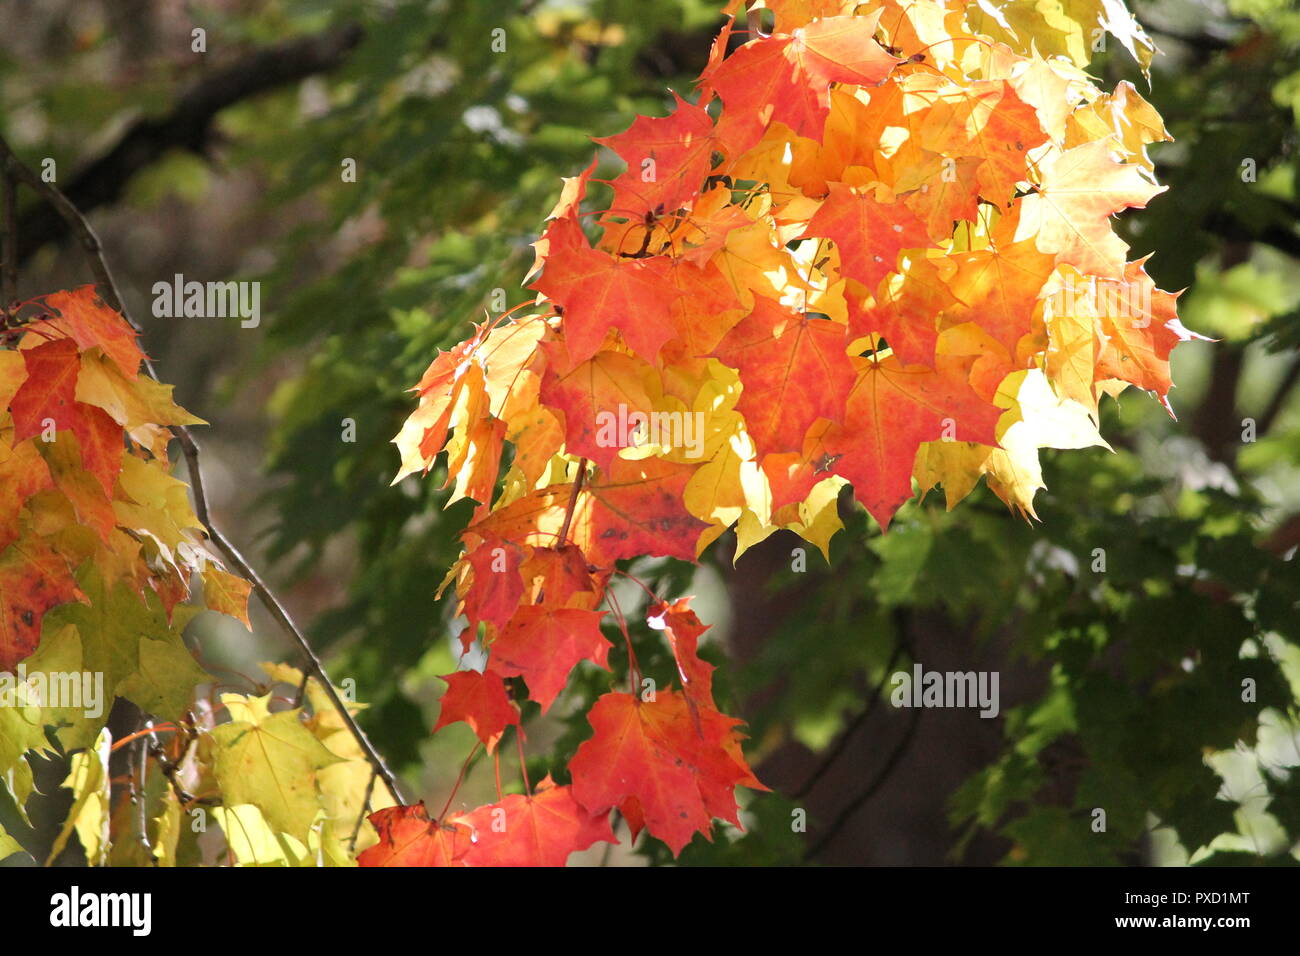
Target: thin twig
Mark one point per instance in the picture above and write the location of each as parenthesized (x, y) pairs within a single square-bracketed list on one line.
[(139, 795), (365, 807), (914, 720), (108, 289), (834, 753), (302, 691), (172, 772)]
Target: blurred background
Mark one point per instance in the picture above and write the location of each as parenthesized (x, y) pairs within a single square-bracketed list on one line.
[(1120, 690)]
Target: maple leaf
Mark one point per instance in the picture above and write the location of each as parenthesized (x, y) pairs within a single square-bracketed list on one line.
[(84, 317), (537, 829), (23, 473), (683, 629), (988, 121), (868, 233), (891, 411), (424, 433), (668, 158), (592, 396), (271, 761), (672, 759), (497, 586), (633, 509), (1068, 214), (1140, 327), (707, 307), (998, 289), (906, 310), (33, 579), (227, 594), (598, 292), (479, 699), (785, 79), (794, 370), (543, 643), (50, 391), (408, 837), (555, 575), (78, 485)]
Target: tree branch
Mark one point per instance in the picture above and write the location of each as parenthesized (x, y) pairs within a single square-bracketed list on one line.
[(188, 125), (834, 753), (886, 769), (1227, 226), (1280, 396), (77, 224), (913, 721)]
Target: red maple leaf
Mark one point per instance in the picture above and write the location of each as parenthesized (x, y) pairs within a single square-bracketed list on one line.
[(868, 232), (49, 393), (785, 78), (597, 292), (891, 410), (683, 629), (408, 837), (794, 371), (498, 585), (33, 579), (84, 317), (543, 643), (679, 763), (481, 701), (668, 158), (538, 829)]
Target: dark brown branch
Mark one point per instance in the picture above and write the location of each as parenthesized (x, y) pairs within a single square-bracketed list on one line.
[(78, 225), (188, 125), (886, 769), (1226, 226), (914, 720), (847, 734)]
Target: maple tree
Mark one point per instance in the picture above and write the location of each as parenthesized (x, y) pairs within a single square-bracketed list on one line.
[(872, 254)]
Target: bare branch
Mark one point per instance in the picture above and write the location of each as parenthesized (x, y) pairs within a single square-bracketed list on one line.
[(188, 125), (846, 735)]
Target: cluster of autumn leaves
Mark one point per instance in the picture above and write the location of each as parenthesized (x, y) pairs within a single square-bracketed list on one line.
[(91, 511), (100, 550), (876, 249)]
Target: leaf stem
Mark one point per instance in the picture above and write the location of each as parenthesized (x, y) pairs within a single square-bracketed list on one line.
[(573, 501), (460, 778)]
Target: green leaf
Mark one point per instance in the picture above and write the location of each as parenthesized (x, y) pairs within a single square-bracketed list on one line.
[(270, 761)]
